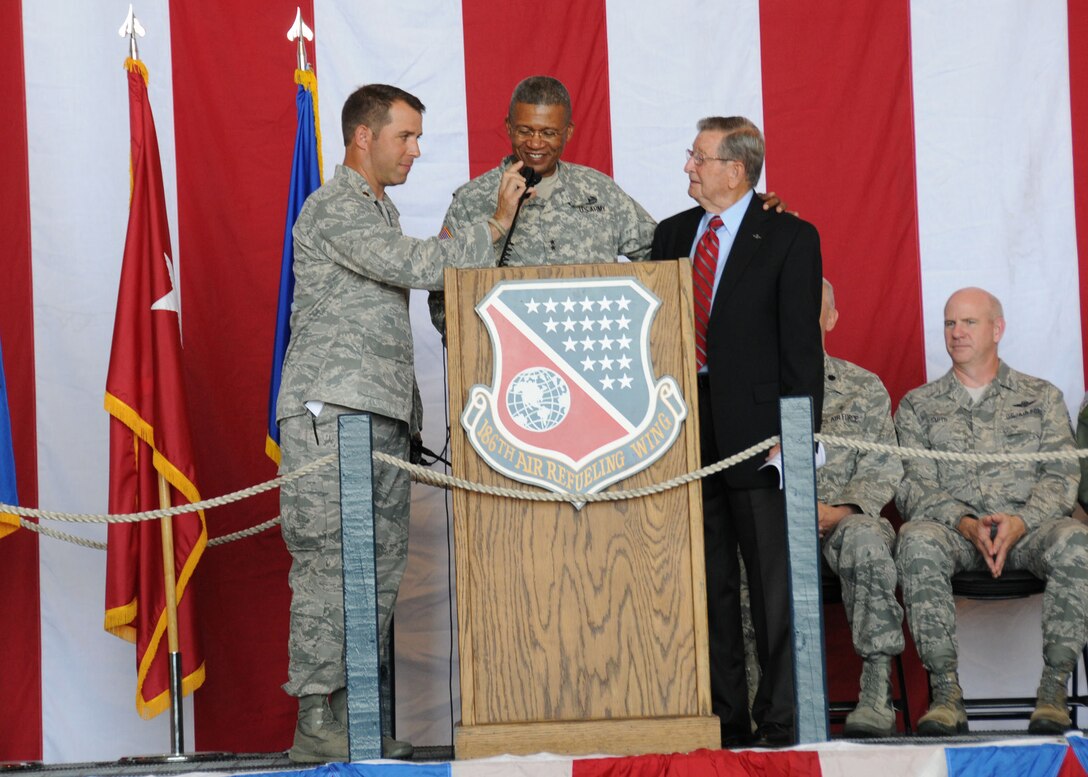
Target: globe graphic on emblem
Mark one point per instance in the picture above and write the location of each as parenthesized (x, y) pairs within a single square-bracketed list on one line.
[(538, 399)]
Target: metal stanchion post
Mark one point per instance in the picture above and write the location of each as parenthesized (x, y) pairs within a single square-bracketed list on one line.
[(799, 476), (360, 587)]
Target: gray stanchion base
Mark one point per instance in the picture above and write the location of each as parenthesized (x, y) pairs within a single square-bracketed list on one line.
[(178, 758)]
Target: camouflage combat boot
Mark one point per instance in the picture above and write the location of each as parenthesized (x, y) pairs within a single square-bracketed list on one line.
[(1051, 716), (319, 736), (946, 715), (874, 715), (391, 748)]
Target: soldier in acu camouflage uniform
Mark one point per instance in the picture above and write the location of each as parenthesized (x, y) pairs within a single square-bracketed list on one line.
[(852, 488), (351, 351), (578, 216), (968, 516)]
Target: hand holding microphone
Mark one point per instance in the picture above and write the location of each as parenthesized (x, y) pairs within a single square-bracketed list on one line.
[(531, 179), (513, 189)]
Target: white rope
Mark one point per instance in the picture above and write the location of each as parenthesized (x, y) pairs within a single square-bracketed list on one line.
[(243, 533), (151, 515), (1072, 454), (45, 531), (430, 477), (438, 479)]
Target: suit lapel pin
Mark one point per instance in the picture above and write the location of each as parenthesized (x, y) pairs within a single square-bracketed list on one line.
[(757, 236)]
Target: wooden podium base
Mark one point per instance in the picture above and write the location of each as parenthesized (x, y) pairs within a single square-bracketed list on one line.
[(635, 736), (581, 631)]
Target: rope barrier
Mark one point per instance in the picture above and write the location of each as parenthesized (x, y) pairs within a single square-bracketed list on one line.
[(243, 533), (437, 479), (45, 531), (1071, 454), (150, 515), (430, 477)]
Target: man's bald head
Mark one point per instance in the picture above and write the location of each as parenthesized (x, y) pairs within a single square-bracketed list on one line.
[(979, 297), (829, 316), (974, 323)]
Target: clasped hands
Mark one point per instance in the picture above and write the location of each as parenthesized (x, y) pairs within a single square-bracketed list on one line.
[(994, 535)]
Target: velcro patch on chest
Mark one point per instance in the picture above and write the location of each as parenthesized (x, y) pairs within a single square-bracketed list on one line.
[(846, 419), (1023, 412)]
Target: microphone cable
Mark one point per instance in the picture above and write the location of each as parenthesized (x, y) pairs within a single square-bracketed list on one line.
[(532, 178)]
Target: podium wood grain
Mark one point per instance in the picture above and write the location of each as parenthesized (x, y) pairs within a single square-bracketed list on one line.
[(576, 625)]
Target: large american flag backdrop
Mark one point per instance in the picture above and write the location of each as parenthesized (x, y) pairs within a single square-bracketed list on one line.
[(935, 143)]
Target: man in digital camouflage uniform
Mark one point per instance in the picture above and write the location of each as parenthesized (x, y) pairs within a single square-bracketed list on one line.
[(578, 216), (988, 516), (351, 351), (852, 487)]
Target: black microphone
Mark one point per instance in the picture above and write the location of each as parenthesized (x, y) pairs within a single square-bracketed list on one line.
[(532, 178)]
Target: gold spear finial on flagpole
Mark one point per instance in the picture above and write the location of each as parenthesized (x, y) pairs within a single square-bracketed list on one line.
[(131, 28), (300, 32)]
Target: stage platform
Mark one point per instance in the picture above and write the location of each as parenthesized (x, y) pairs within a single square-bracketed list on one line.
[(979, 753)]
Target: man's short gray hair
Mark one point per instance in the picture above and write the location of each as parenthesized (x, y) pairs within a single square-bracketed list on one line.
[(743, 142), (540, 90)]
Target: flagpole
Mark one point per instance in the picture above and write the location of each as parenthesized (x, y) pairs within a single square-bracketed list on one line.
[(166, 524), (131, 28), (177, 720)]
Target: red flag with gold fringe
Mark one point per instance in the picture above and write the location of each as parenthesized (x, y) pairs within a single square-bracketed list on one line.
[(149, 431)]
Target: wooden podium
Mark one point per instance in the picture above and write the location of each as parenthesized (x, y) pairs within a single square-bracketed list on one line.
[(580, 631)]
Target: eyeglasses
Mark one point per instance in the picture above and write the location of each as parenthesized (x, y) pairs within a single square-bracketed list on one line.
[(698, 157), (548, 135)]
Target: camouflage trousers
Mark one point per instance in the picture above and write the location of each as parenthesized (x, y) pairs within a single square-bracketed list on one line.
[(859, 551), (310, 509), (929, 553)]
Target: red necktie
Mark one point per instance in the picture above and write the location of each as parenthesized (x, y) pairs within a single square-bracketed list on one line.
[(706, 263)]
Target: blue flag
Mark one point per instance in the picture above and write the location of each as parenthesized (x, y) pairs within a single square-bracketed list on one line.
[(8, 493), (305, 178), (1036, 760)]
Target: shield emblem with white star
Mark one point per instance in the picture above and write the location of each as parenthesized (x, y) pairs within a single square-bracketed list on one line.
[(574, 405)]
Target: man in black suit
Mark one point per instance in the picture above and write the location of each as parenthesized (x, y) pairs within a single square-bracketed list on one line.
[(757, 290)]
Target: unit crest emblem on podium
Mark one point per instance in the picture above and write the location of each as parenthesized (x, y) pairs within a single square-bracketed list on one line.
[(574, 405)]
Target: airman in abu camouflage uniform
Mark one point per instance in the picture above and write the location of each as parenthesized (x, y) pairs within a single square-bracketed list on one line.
[(350, 351), (578, 215), (988, 516), (1081, 510), (852, 487)]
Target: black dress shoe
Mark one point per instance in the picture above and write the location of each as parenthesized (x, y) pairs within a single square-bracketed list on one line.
[(774, 735), (736, 741)]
